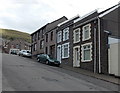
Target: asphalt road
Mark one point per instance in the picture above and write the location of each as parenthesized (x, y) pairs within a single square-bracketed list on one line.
[(24, 74)]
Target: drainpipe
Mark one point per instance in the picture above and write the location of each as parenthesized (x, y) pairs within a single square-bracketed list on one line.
[(99, 32), (95, 49)]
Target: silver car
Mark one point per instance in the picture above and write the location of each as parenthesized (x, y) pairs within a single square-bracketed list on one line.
[(25, 53)]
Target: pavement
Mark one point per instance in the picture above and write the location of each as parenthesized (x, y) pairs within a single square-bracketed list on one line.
[(108, 78)]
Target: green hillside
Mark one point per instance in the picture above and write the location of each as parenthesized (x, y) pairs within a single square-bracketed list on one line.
[(13, 34)]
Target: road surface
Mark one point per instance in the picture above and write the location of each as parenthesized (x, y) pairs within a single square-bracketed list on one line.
[(25, 74)]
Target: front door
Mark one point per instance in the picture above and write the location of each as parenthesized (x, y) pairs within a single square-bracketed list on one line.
[(59, 53), (76, 56)]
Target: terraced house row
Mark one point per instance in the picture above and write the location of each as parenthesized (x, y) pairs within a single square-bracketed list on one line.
[(89, 42)]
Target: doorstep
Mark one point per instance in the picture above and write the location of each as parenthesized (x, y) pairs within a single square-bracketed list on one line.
[(104, 77)]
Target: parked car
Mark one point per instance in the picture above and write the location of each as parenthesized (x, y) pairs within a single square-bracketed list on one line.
[(14, 51), (47, 59), (25, 53)]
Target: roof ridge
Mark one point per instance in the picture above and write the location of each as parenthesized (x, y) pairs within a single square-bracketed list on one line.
[(68, 20), (86, 15), (108, 9), (101, 14), (57, 19)]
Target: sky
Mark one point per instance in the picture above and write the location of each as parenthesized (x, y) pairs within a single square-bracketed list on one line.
[(30, 15)]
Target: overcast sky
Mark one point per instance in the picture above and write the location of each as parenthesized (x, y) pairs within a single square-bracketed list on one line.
[(30, 15)]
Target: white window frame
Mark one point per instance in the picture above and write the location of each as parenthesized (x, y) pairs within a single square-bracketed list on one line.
[(74, 35), (64, 31), (83, 28), (63, 50), (82, 52), (59, 34)]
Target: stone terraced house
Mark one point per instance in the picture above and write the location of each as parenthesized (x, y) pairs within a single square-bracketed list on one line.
[(84, 42)]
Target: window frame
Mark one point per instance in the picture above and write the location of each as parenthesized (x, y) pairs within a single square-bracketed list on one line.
[(51, 36), (59, 34), (35, 47), (74, 35), (63, 48), (46, 37), (82, 52), (83, 30), (38, 35), (35, 37), (64, 31), (41, 33), (41, 44)]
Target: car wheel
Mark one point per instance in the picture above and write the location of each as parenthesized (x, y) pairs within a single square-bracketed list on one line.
[(58, 65), (47, 62), (38, 60)]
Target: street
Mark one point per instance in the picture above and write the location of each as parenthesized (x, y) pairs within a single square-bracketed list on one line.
[(25, 74)]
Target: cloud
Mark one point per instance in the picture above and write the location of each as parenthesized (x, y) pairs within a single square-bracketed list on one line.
[(25, 17), (30, 15)]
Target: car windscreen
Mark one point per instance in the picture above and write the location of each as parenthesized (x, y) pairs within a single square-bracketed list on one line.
[(51, 57), (23, 51)]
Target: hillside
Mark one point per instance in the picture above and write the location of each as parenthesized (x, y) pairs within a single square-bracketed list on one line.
[(13, 34)]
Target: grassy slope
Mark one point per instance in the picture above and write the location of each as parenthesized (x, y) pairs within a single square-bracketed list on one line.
[(13, 34)]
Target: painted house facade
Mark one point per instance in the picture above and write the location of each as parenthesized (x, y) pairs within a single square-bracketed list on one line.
[(44, 39), (37, 46), (95, 29), (84, 44), (81, 42), (50, 37), (111, 24), (64, 41)]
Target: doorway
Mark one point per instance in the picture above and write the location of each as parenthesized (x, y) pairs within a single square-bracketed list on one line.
[(76, 56), (59, 53)]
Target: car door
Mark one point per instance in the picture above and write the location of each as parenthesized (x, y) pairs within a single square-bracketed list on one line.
[(42, 58)]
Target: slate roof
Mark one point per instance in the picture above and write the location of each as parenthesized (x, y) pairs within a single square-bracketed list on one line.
[(52, 25)]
